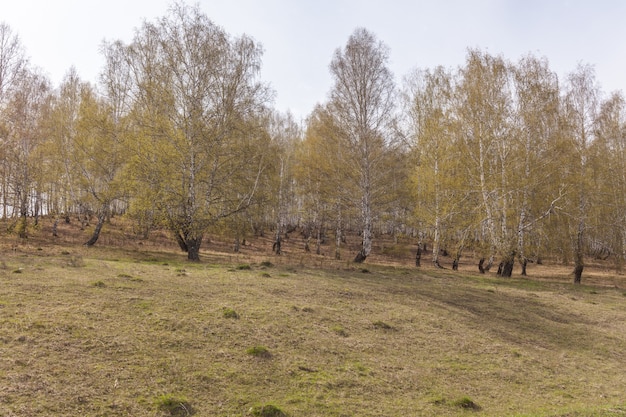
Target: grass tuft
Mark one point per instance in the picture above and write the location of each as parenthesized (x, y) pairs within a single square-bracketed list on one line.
[(339, 330), (174, 405), (267, 410), (382, 325), (267, 264), (244, 267), (99, 284), (259, 352), (229, 313), (76, 261), (466, 403)]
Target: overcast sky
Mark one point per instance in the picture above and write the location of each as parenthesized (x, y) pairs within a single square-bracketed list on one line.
[(300, 36)]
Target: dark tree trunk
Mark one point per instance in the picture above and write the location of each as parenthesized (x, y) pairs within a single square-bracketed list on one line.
[(578, 273), (418, 257), (524, 263), (22, 227), (579, 258), (360, 257), (276, 245), (96, 232), (455, 264), (182, 243), (481, 268), (193, 244), (505, 269)]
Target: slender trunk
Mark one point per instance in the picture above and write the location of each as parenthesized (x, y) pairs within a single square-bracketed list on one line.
[(338, 234), (23, 223), (436, 239), (579, 258), (96, 232), (524, 262), (318, 243), (281, 216), (366, 211), (491, 230), (277, 242)]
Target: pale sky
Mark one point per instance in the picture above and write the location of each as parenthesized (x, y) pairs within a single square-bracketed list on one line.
[(300, 36)]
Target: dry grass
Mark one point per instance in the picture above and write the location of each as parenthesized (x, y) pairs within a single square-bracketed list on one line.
[(154, 339)]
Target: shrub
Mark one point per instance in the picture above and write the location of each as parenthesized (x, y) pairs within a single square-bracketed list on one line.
[(267, 264), (243, 267)]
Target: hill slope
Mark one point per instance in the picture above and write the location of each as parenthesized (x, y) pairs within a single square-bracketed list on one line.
[(105, 332)]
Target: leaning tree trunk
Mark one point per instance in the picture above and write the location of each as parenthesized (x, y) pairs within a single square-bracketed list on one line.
[(96, 232)]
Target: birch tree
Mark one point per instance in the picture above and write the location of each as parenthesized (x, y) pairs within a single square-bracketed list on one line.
[(362, 104), (429, 101), (485, 112), (537, 186), (12, 64), (199, 149), (581, 101)]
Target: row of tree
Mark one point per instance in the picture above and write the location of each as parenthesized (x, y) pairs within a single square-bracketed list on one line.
[(496, 157)]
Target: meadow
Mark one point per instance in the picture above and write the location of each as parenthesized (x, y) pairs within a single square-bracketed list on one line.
[(139, 331)]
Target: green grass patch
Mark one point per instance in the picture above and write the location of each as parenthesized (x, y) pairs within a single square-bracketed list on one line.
[(259, 352)]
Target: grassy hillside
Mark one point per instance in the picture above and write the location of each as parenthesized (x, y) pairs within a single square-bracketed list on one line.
[(107, 332)]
